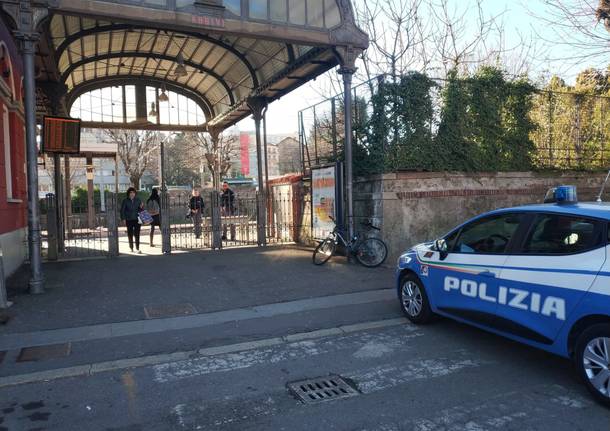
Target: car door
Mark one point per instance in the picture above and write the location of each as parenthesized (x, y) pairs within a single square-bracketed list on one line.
[(464, 283), (546, 278)]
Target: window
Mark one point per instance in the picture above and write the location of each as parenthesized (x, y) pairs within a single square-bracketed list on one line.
[(557, 234), (6, 136), (258, 9), (233, 6), (296, 9), (278, 10), (315, 13), (331, 13), (490, 235)]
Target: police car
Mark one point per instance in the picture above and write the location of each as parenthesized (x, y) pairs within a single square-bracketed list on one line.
[(538, 274)]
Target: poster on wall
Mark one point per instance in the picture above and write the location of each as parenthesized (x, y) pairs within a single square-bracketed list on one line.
[(323, 192)]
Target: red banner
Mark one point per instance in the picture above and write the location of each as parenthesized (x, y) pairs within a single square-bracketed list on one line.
[(244, 143)]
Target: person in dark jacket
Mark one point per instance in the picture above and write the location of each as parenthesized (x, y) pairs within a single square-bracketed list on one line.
[(227, 207), (130, 208), (196, 205), (153, 206)]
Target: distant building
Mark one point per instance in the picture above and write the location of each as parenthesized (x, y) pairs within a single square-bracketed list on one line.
[(245, 163), (289, 156), (103, 168)]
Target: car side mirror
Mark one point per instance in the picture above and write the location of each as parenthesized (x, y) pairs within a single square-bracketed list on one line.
[(440, 245)]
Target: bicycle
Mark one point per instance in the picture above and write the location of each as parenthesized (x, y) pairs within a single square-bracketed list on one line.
[(369, 252)]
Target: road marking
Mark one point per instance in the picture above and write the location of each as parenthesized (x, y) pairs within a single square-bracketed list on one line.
[(140, 327), (387, 376), (510, 410), (101, 367), (277, 353), (201, 417)]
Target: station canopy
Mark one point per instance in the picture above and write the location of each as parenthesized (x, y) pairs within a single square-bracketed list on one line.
[(206, 58)]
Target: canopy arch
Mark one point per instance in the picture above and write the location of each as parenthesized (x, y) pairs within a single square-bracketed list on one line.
[(135, 104)]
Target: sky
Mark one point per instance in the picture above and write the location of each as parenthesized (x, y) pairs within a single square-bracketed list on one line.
[(521, 21)]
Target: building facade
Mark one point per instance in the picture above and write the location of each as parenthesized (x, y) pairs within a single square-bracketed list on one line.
[(13, 186)]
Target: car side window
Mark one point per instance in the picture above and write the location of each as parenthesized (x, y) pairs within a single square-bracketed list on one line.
[(560, 234), (490, 235)]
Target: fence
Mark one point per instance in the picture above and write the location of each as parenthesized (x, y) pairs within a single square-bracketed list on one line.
[(483, 122)]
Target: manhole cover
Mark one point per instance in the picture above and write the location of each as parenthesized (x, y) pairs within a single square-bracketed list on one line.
[(321, 389), (40, 353), (160, 311)]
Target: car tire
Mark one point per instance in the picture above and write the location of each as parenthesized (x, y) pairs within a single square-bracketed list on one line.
[(414, 300), (592, 361)]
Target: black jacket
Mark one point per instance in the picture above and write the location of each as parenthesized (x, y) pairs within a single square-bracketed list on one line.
[(227, 200), (196, 203), (130, 209)]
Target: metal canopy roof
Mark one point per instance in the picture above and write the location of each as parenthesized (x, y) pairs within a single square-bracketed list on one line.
[(228, 59)]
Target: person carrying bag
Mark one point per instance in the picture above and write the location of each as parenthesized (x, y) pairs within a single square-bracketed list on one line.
[(153, 206), (130, 213)]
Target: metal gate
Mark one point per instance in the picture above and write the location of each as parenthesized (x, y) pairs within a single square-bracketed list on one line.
[(84, 234), (81, 231)]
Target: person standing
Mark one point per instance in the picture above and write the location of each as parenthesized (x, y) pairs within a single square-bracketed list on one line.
[(130, 208), (153, 206), (227, 207), (196, 205)]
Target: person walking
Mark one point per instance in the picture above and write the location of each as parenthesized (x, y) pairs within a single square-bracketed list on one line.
[(196, 205), (130, 208), (153, 206), (227, 207)]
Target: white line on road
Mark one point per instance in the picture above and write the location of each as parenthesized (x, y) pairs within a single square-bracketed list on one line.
[(100, 367), (277, 353)]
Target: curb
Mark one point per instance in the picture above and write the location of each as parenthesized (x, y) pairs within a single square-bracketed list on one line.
[(122, 364)]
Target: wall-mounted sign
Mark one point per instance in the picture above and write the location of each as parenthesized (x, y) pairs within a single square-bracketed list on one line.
[(323, 192), (61, 135), (208, 21)]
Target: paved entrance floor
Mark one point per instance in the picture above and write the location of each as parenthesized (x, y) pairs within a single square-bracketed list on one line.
[(140, 287)]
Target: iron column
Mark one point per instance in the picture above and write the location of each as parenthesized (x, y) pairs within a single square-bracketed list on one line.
[(29, 50), (257, 105), (347, 73)]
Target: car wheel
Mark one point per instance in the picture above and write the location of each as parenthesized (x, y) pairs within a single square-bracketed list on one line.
[(413, 300), (592, 360)]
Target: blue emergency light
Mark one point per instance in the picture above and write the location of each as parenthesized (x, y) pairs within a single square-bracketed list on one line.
[(561, 195)]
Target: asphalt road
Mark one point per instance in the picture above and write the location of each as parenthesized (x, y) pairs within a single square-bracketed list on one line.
[(444, 376)]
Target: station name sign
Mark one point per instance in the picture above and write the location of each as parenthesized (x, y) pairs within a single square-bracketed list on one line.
[(208, 21)]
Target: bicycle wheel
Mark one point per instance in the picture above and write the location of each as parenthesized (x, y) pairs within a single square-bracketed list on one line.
[(324, 251), (371, 252)]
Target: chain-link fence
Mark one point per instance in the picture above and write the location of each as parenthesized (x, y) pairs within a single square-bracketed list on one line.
[(484, 122)]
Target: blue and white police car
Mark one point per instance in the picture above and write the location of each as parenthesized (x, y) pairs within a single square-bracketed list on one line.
[(538, 274)]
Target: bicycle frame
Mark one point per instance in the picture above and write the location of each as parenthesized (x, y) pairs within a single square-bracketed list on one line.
[(351, 244)]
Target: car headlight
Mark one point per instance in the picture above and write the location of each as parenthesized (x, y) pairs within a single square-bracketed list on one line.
[(404, 259)]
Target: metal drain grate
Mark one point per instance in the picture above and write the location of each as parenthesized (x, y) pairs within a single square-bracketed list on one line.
[(321, 389), (41, 353), (169, 310)]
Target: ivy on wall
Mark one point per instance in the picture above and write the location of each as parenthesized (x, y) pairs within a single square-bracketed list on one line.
[(482, 123)]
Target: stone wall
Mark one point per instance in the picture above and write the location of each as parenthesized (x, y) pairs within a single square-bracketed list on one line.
[(412, 207)]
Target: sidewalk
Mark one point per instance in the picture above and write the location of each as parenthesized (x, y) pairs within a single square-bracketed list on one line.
[(140, 287)]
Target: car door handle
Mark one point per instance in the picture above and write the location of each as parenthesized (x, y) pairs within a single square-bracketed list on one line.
[(487, 274)]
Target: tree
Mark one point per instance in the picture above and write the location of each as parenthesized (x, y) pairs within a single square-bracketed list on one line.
[(573, 28), (181, 162), (136, 149), (227, 150)]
